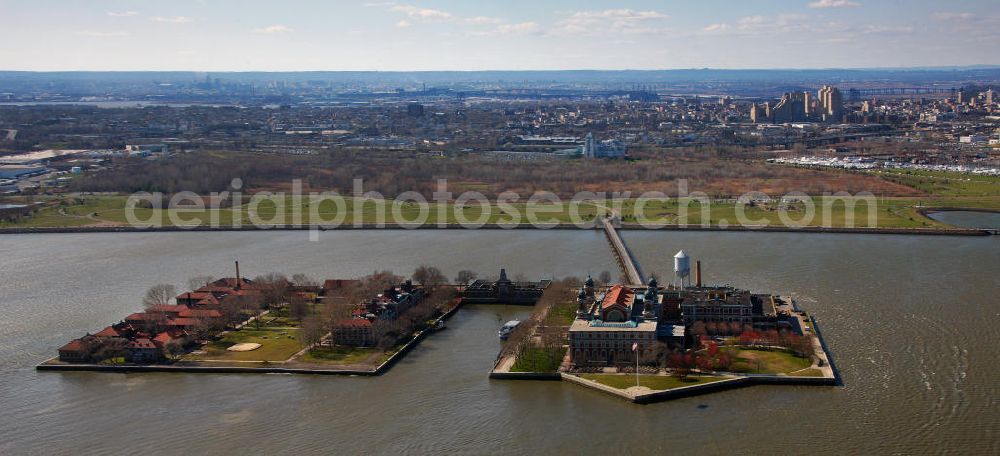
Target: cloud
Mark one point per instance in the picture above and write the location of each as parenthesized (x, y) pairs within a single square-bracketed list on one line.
[(274, 29), (482, 20), (833, 4), (172, 19), (871, 29), (611, 20), (103, 34), (519, 28), (951, 16), (122, 13), (403, 23), (756, 25), (415, 12)]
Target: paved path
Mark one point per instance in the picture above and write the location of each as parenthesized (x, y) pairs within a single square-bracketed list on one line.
[(625, 260)]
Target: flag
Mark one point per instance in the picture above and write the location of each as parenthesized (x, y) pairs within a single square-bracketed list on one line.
[(635, 345)]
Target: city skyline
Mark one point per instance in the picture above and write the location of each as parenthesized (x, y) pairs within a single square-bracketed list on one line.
[(515, 35)]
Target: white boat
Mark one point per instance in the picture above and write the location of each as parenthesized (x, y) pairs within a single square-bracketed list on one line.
[(507, 328)]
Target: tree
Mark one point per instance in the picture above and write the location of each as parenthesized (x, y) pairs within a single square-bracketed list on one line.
[(297, 307), (159, 295), (465, 277), (173, 349), (303, 280), (313, 330), (604, 278), (197, 282), (429, 276), (273, 289)]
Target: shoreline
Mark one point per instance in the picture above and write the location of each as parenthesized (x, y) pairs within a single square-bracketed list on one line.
[(559, 226), (53, 365)]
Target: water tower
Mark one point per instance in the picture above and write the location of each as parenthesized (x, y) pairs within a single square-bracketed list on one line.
[(682, 269)]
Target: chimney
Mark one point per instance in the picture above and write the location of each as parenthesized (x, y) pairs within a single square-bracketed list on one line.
[(237, 274), (697, 273)]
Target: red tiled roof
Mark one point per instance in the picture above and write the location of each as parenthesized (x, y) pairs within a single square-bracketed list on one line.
[(200, 313), (182, 322), (618, 294), (138, 316), (353, 322), (163, 338), (72, 346), (166, 308), (110, 331)]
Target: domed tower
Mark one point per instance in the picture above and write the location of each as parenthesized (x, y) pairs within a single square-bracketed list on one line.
[(589, 285), (581, 300)]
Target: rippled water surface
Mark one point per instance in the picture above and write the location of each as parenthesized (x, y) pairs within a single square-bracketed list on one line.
[(913, 323), (968, 219)]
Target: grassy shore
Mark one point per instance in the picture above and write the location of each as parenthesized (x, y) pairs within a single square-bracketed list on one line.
[(891, 213), (653, 382)]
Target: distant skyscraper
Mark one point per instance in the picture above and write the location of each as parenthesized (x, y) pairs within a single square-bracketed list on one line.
[(831, 101), (989, 97), (961, 96)]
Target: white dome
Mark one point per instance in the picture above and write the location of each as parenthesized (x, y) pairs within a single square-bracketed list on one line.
[(681, 254)]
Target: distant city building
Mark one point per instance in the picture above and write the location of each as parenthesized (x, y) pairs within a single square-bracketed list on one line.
[(144, 150), (592, 148), (415, 109), (827, 106)]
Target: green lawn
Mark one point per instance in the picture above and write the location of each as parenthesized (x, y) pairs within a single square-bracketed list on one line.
[(338, 355), (980, 193), (533, 359), (653, 382), (751, 361), (277, 344)]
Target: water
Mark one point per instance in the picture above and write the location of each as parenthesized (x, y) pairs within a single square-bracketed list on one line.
[(968, 219), (911, 321)]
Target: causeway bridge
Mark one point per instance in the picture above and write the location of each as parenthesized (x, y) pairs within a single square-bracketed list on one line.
[(626, 263)]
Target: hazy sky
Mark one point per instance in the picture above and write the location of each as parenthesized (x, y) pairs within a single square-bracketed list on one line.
[(217, 35)]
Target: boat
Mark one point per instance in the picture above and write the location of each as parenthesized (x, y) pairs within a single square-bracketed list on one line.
[(439, 325), (507, 328)]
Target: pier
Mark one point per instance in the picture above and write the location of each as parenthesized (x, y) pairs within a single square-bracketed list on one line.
[(625, 261)]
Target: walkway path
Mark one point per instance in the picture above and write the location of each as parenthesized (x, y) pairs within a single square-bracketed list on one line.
[(625, 260)]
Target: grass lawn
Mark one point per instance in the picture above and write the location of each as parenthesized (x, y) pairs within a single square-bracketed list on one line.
[(338, 355), (277, 344), (945, 190), (811, 372), (653, 382), (766, 361), (562, 314), (534, 359)]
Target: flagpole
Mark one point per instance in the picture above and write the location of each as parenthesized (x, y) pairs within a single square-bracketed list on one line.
[(636, 349)]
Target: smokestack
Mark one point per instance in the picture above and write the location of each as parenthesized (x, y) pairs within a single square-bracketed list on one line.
[(237, 274), (697, 273)]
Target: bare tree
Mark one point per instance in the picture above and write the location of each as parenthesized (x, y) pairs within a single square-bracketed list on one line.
[(273, 289), (465, 277), (604, 278), (173, 349), (313, 330), (297, 307), (429, 276), (303, 280), (159, 295)]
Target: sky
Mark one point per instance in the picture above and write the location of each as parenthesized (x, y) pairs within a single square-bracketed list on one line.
[(293, 35)]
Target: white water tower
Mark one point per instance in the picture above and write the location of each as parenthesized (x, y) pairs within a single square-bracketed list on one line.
[(682, 269)]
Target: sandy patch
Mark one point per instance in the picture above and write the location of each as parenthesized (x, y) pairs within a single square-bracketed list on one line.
[(244, 347)]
